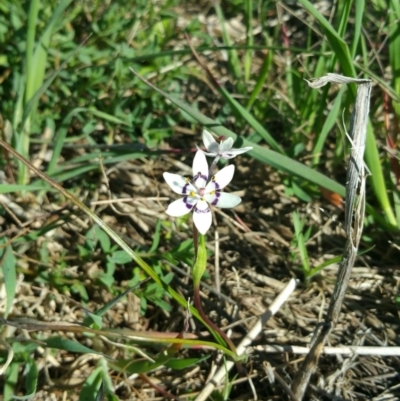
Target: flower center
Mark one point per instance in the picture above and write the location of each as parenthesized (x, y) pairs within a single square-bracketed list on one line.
[(202, 192)]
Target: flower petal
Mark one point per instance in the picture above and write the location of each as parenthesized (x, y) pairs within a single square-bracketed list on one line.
[(202, 217), (210, 143), (223, 199), (181, 206), (221, 179), (179, 184), (200, 169), (207, 153), (231, 153), (225, 145)]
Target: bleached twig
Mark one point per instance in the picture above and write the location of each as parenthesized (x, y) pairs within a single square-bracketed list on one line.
[(344, 350)]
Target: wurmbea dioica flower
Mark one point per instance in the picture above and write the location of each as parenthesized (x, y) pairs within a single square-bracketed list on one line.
[(224, 149), (201, 192)]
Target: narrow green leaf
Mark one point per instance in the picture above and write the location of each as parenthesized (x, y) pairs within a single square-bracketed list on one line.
[(156, 237), (70, 346), (11, 379), (359, 8), (92, 385), (120, 258), (394, 46), (317, 269), (10, 188), (31, 379), (201, 262), (251, 120), (248, 56), (233, 57), (298, 228), (262, 77), (179, 364), (371, 151), (141, 366), (336, 42), (37, 66), (30, 45), (329, 123), (9, 265)]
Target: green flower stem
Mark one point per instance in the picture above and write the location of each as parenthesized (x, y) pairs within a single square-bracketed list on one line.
[(198, 271)]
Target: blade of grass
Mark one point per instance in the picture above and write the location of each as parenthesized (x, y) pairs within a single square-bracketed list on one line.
[(371, 154), (237, 107), (233, 58), (327, 127), (10, 188), (298, 229), (262, 76), (63, 131), (8, 264), (394, 46), (36, 61), (248, 55), (358, 23)]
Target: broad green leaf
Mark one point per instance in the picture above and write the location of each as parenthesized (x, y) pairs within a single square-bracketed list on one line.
[(104, 239), (119, 258)]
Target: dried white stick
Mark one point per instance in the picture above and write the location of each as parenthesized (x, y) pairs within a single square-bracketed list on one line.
[(339, 350), (354, 219), (251, 335), (10, 356)]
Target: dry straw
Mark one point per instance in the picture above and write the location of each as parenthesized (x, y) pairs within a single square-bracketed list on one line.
[(354, 220)]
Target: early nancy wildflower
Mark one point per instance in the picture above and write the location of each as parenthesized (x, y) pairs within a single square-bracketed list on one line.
[(199, 193), (224, 149)]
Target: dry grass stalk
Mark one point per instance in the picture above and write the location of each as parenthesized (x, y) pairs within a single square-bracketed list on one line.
[(339, 350), (354, 219)]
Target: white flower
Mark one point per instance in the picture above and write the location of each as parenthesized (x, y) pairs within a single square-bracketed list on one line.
[(199, 194), (223, 149)]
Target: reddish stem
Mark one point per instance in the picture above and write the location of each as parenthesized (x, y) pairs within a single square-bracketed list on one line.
[(213, 326)]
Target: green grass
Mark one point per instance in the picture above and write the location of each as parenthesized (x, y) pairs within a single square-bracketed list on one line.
[(85, 73)]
